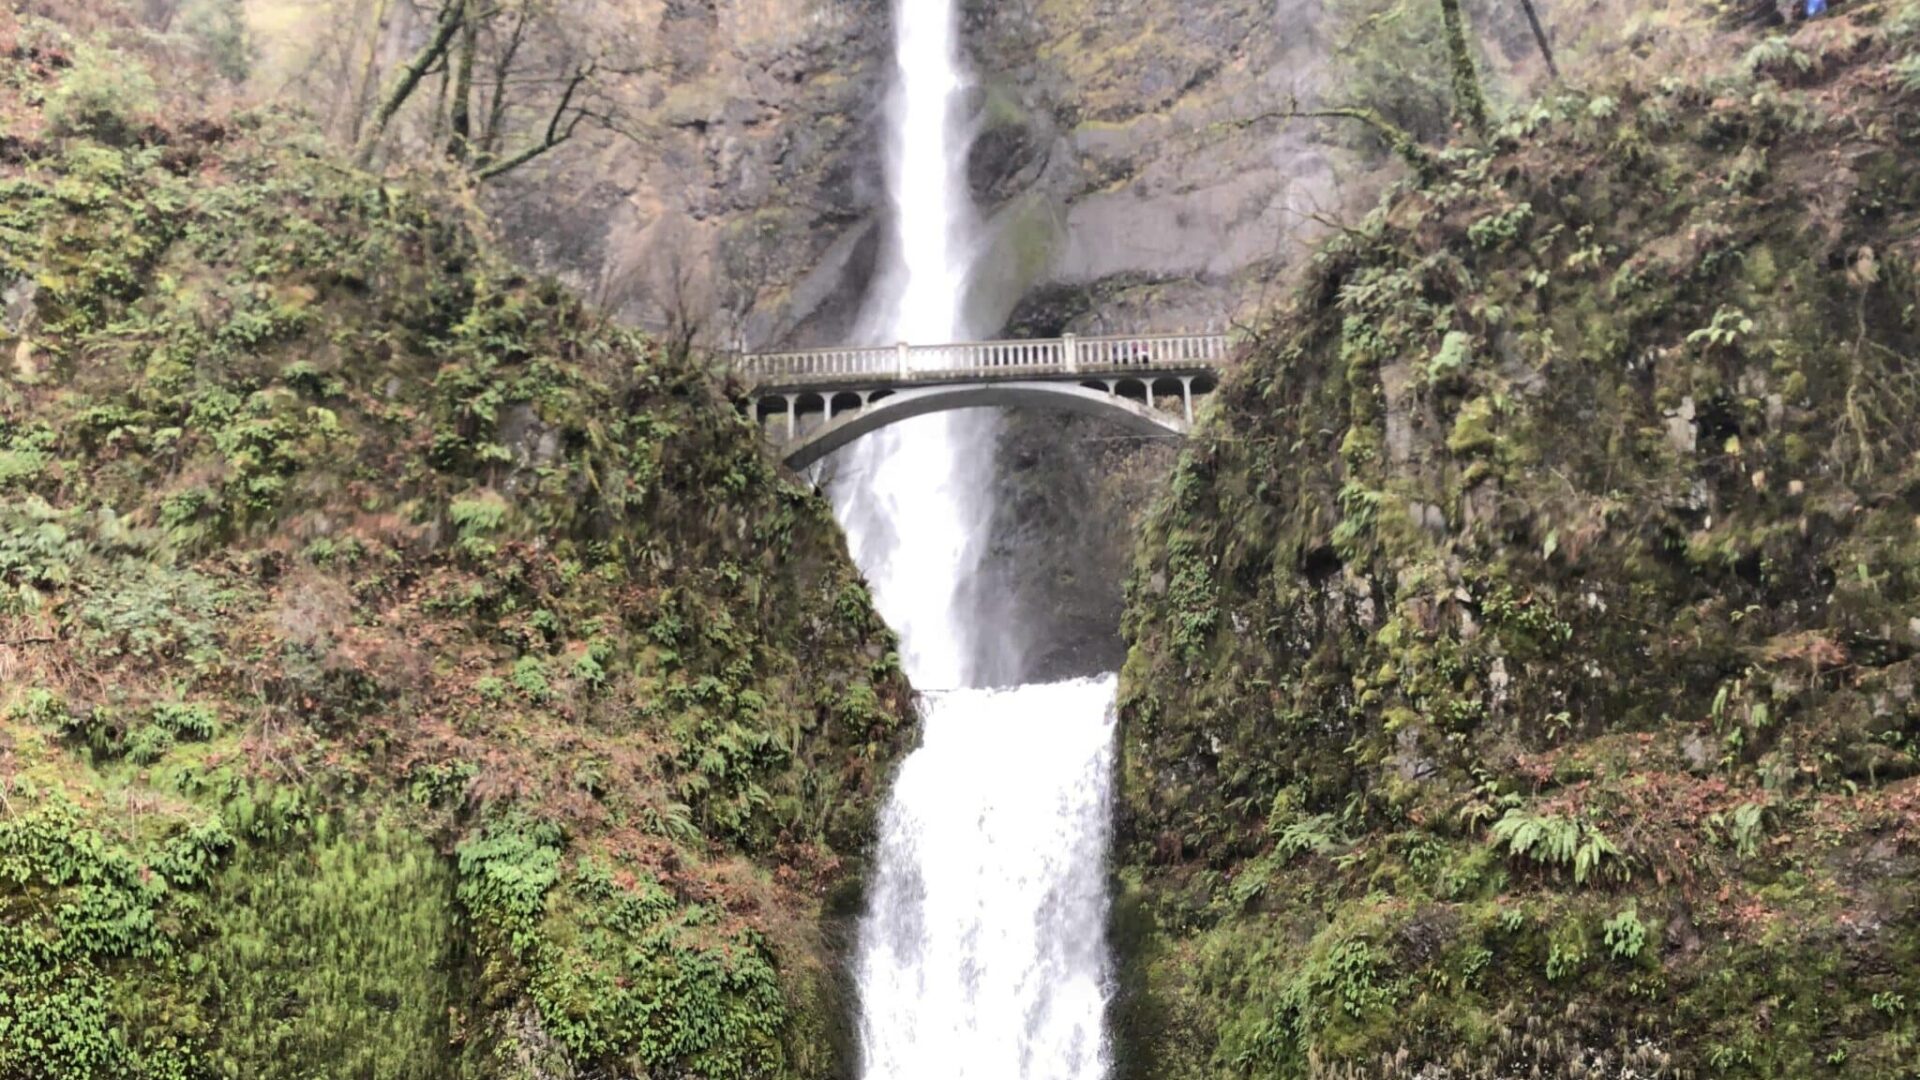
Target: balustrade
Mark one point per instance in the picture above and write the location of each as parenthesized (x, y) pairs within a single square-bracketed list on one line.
[(987, 359)]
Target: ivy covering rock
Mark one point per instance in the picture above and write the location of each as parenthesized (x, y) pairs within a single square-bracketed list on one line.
[(404, 672), (1524, 657)]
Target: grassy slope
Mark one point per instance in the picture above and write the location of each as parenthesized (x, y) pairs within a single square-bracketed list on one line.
[(1524, 658), (403, 672)]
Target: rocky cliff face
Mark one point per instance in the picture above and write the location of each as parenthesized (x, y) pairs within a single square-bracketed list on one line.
[(1124, 194), (1119, 195), (1523, 664), (1121, 187), (1136, 174), (1130, 159), (745, 194)]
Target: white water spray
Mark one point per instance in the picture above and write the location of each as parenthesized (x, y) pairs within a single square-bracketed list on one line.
[(983, 952), (913, 497)]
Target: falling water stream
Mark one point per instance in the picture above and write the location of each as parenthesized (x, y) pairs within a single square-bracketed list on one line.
[(982, 954)]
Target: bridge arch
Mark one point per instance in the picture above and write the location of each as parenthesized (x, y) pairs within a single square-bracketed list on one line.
[(815, 401), (843, 428)]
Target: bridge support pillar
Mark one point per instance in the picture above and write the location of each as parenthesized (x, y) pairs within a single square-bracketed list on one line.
[(793, 417), (1148, 383), (1186, 395)]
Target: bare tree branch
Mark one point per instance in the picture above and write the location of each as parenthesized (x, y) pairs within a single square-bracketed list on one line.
[(1540, 37), (1402, 141), (409, 79), (560, 128), (497, 106)]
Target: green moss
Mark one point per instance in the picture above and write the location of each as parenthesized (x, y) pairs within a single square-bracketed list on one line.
[(411, 673), (1527, 716)]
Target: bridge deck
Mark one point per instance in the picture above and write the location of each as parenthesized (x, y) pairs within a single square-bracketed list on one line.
[(1156, 354)]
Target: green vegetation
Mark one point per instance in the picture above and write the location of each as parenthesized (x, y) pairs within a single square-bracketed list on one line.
[(404, 672), (1524, 669)]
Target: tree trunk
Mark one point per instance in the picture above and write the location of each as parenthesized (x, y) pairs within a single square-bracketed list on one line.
[(409, 81), (369, 74), (497, 103), (460, 120), (1540, 37), (1467, 99), (439, 111)]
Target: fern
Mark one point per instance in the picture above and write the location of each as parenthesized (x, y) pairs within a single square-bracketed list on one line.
[(1625, 934), (1775, 55), (1316, 834), (1744, 828), (1908, 72), (1556, 841)]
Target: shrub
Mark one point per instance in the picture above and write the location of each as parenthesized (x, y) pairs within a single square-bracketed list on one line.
[(102, 96), (218, 31)]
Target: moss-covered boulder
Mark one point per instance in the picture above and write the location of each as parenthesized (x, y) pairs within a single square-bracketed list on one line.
[(1525, 654), (403, 671)]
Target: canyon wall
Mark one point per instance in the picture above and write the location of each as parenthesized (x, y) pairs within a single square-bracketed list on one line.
[(1523, 671)]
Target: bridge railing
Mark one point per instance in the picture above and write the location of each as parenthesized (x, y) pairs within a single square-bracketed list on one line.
[(986, 359)]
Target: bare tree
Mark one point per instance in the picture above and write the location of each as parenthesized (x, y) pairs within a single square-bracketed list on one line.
[(1540, 38), (516, 80)]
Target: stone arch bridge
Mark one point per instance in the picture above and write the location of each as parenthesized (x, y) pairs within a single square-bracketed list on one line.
[(814, 402)]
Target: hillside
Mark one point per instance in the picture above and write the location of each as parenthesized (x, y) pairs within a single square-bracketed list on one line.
[(1524, 655), (403, 671)]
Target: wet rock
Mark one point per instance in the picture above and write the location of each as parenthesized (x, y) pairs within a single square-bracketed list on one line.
[(17, 299), (1698, 754), (1682, 432)]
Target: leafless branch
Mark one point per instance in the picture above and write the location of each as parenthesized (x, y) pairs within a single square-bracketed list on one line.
[(409, 79), (560, 127), (1402, 141)]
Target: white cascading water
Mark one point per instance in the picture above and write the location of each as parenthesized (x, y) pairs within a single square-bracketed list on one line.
[(914, 496), (982, 955)]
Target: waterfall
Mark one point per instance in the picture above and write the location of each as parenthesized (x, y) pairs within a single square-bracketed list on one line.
[(913, 497), (982, 955)]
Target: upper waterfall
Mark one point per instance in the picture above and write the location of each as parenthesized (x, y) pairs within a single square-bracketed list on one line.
[(927, 177), (913, 498)]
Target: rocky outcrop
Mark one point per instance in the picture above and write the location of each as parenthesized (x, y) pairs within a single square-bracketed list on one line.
[(743, 194), (1070, 492), (405, 671), (1522, 674), (1118, 140)]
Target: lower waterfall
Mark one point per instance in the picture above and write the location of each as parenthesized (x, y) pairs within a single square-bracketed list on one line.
[(983, 955)]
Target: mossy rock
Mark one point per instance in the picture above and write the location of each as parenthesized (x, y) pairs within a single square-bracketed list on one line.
[(1523, 658), (409, 672)]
